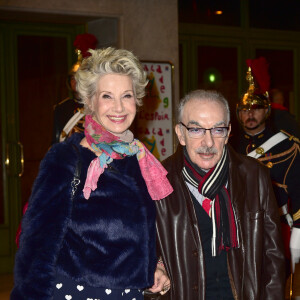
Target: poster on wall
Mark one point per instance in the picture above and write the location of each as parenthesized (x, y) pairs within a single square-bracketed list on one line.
[(155, 117)]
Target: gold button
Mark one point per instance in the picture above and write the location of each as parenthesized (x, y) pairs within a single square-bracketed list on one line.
[(269, 164), (260, 150)]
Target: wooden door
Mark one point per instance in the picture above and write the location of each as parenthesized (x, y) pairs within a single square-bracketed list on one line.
[(34, 59)]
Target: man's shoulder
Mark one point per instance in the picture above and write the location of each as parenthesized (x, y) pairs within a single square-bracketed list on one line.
[(168, 161), (62, 103), (244, 162), (67, 103), (175, 160), (292, 138), (170, 165), (285, 144)]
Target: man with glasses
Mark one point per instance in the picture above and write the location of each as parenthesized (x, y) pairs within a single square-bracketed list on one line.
[(280, 152), (218, 232)]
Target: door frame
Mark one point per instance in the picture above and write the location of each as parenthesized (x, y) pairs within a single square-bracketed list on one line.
[(9, 32), (247, 40)]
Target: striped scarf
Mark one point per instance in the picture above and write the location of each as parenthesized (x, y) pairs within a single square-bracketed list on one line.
[(212, 186)]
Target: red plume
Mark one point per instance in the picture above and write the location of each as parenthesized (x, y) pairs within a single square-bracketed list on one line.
[(84, 42), (259, 68)]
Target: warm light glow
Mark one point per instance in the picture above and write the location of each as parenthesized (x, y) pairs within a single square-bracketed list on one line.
[(218, 12)]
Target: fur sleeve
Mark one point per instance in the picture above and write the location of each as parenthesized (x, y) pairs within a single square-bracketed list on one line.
[(44, 225)]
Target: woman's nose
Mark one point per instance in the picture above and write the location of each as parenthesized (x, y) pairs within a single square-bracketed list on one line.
[(118, 105)]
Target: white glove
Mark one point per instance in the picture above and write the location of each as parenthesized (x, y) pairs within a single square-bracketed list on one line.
[(283, 211), (289, 220), (295, 247)]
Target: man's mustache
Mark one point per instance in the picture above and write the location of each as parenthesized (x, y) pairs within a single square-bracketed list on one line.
[(250, 120), (206, 150)]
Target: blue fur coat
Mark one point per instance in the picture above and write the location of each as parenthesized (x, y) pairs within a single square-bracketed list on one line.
[(105, 241)]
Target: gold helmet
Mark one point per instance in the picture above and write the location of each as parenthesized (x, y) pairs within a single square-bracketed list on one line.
[(77, 64), (256, 96), (82, 43)]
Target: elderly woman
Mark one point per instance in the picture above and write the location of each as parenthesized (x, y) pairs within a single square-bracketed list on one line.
[(96, 242)]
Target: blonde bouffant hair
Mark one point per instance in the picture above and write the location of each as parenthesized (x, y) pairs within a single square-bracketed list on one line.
[(108, 61)]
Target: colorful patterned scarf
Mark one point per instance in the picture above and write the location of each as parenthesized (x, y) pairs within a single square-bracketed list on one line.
[(216, 202), (112, 147)]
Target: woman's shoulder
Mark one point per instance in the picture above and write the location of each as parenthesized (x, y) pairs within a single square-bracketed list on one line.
[(64, 153), (71, 142), (74, 139)]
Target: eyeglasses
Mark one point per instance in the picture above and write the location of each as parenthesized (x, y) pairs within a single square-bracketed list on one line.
[(198, 132)]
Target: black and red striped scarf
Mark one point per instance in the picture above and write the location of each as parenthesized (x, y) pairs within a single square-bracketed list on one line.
[(212, 185)]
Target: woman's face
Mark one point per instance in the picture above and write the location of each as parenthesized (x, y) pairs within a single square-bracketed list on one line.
[(115, 107)]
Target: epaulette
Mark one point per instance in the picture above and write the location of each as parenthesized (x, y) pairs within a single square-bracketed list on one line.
[(291, 137), (61, 102)]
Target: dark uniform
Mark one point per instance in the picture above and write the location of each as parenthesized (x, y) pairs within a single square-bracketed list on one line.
[(282, 119), (283, 160), (66, 109), (281, 156), (63, 112)]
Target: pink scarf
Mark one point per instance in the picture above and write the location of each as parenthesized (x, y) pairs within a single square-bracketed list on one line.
[(113, 147)]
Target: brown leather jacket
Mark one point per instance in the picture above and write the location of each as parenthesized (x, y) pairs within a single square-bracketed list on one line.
[(256, 268)]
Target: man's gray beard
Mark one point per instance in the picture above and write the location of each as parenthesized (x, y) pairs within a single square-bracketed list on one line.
[(206, 150)]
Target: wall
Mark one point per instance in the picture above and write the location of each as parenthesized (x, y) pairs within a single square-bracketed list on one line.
[(148, 28)]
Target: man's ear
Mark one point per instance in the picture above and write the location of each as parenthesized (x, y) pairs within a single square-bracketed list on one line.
[(180, 135), (266, 110), (229, 130)]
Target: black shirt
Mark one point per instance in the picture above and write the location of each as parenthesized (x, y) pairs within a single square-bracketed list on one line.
[(216, 272)]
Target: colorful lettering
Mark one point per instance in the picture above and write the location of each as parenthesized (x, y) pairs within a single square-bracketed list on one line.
[(166, 102)]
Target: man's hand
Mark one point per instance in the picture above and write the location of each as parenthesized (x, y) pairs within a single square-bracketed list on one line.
[(295, 247), (161, 281)]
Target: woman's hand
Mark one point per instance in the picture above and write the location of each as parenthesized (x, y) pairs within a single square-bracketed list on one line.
[(161, 281)]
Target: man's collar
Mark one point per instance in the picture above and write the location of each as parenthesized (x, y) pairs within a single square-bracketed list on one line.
[(258, 134)]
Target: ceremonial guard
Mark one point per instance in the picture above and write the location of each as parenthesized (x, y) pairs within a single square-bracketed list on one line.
[(280, 152), (68, 113)]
